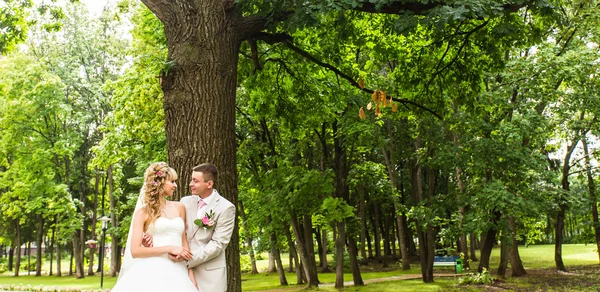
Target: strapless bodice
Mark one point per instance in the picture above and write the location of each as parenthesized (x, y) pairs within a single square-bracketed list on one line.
[(166, 231)]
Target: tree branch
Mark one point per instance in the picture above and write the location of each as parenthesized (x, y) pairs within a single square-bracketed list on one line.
[(417, 8), (287, 41)]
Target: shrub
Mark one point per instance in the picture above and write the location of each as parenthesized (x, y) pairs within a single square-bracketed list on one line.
[(245, 264), (483, 278)]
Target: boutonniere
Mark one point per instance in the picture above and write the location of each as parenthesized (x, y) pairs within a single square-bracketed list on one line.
[(207, 221)]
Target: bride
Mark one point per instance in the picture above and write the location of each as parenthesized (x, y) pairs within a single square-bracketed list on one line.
[(149, 268)]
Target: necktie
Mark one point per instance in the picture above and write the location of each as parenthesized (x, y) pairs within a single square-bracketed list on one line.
[(201, 204)]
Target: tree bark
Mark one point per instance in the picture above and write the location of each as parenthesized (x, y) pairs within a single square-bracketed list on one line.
[(515, 259), (294, 256), (562, 205), (593, 198), (504, 250), (488, 244), (277, 257), (115, 255), (79, 270), (323, 254), (249, 239), (94, 220), (199, 83), (362, 213), (473, 246), (11, 258), (38, 250), (402, 240), (339, 255), (309, 243), (310, 273), (353, 252), (18, 247)]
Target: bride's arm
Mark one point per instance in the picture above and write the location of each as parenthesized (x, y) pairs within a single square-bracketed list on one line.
[(139, 251), (185, 242)]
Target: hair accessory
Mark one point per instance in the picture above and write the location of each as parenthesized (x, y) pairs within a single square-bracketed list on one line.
[(159, 173)]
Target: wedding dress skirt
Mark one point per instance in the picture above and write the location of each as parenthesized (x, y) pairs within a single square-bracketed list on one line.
[(158, 274)]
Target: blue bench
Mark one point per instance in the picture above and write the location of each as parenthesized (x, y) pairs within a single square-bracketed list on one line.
[(448, 261)]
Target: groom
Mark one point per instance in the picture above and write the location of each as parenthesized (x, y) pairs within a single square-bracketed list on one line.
[(209, 236)]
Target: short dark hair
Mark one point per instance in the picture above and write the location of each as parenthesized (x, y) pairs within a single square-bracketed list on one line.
[(209, 171)]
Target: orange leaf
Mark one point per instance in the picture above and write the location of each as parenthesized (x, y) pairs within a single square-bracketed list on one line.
[(369, 106), (361, 113), (377, 110), (361, 83), (394, 107), (374, 97)]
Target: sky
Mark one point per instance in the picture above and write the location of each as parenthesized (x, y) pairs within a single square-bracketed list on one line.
[(95, 6)]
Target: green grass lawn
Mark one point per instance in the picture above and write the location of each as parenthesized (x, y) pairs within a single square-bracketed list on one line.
[(534, 257)]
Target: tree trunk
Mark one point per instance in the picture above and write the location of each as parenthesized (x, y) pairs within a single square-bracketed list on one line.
[(462, 246), (28, 258), (363, 223), (18, 246), (38, 250), (199, 85), (71, 257), (277, 258), (115, 254), (385, 231), (504, 250), (271, 267), (11, 258), (309, 242), (309, 272), (249, 239), (593, 199), (562, 205), (376, 234), (294, 256), (339, 255), (473, 246), (515, 259), (402, 241), (488, 244), (353, 252), (94, 220), (323, 253), (58, 261), (79, 270)]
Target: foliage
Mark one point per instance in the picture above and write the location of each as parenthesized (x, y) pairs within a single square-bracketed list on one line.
[(483, 278)]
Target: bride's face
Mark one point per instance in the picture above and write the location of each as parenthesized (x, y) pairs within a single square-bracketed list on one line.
[(169, 187)]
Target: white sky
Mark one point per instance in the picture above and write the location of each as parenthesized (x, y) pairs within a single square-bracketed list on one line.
[(95, 6)]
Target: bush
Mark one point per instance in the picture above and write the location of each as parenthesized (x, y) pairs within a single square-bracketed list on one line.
[(346, 261), (245, 264), (259, 256), (483, 278)]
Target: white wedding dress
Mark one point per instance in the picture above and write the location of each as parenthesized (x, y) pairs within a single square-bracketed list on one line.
[(159, 273)]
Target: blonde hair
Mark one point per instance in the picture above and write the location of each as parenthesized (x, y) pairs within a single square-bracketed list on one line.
[(154, 180)]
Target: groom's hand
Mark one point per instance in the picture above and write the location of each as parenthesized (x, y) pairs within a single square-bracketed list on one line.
[(147, 240)]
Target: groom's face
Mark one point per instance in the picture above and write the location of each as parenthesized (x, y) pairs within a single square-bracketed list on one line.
[(199, 186)]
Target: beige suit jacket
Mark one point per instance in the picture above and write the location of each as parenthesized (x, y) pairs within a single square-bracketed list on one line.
[(208, 245)]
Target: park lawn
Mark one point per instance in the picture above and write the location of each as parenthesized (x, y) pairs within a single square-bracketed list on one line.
[(87, 283), (534, 257), (542, 256)]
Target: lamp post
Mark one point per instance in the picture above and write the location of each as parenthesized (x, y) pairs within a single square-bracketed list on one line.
[(105, 221)]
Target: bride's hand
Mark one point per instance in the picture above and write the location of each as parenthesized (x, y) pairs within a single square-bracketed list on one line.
[(181, 252)]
